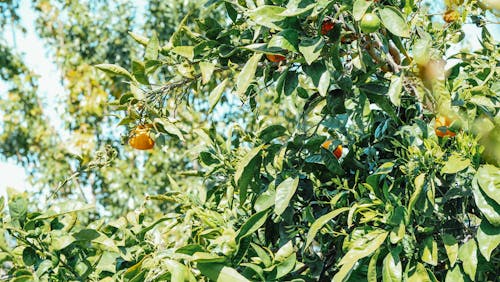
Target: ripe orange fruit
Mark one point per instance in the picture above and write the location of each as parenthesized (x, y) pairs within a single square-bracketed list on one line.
[(326, 26), (140, 139), (275, 58), (451, 16), (337, 152), (441, 127)]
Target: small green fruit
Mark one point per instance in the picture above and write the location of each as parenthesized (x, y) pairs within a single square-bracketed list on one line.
[(369, 23)]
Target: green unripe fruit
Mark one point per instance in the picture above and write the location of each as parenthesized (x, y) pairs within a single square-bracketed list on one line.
[(369, 23)]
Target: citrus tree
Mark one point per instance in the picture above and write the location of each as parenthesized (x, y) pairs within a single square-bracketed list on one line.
[(300, 141)]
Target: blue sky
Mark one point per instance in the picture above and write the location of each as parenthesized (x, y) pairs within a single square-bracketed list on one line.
[(40, 60)]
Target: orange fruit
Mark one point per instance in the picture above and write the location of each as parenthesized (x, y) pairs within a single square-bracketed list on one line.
[(275, 58), (441, 127), (451, 16), (326, 26), (140, 139), (337, 152)]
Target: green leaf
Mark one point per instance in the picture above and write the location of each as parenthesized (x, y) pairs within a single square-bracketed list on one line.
[(455, 275), (320, 222), (287, 39), (106, 244), (206, 69), (265, 200), (60, 241), (319, 75), (384, 103), (139, 71), (488, 207), (245, 77), (252, 225), (286, 266), (165, 126), (455, 164), (360, 248), (468, 255), (245, 170), (419, 183), (371, 275), (115, 70), (311, 48), (262, 253), (429, 251), (178, 271), (284, 193), (451, 247), (152, 48), (216, 94), (139, 38), (419, 274), (284, 252), (271, 132), (220, 273), (488, 178), (395, 90), (392, 270), (394, 21), (359, 8), (422, 51), (184, 51), (267, 15), (296, 8), (29, 256), (488, 238)]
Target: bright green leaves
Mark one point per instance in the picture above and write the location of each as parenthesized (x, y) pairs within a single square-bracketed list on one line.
[(468, 255), (153, 48), (184, 51), (284, 193), (246, 169), (115, 70), (252, 225), (455, 164), (220, 273), (429, 251), (206, 69), (311, 48), (320, 222), (319, 75), (267, 16), (245, 77), (359, 8), (362, 247), (395, 89), (394, 21), (216, 94), (286, 39), (418, 274), (392, 270), (451, 247), (488, 207), (419, 183), (488, 178), (488, 238)]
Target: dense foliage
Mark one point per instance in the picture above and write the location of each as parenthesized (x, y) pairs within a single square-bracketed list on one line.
[(292, 141)]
